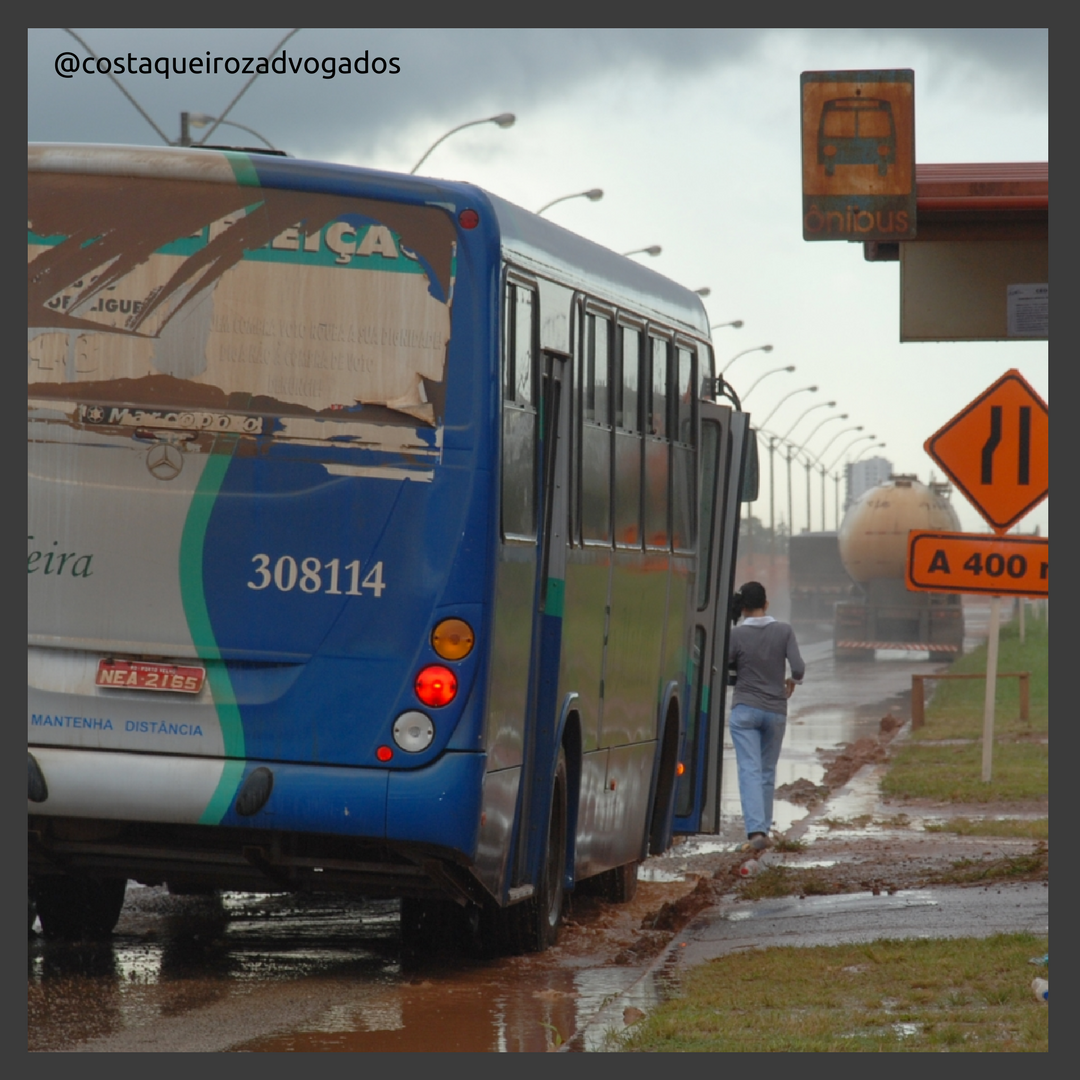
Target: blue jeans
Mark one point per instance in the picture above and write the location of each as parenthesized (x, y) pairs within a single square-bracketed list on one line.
[(757, 736)]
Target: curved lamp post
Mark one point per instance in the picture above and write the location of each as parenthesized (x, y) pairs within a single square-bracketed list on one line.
[(503, 120), (201, 120), (773, 441), (854, 442), (818, 427), (836, 461), (771, 371), (652, 249), (735, 324), (821, 453), (789, 394), (842, 431), (811, 460), (593, 195), (756, 348), (806, 412), (862, 453)]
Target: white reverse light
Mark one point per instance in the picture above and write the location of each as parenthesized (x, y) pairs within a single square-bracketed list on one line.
[(413, 731)]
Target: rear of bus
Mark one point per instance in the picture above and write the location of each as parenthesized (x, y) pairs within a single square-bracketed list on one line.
[(258, 539)]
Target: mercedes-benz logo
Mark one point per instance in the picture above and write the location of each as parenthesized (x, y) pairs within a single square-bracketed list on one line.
[(164, 461)]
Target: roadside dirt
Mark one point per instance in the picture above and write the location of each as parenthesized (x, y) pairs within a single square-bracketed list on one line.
[(887, 849)]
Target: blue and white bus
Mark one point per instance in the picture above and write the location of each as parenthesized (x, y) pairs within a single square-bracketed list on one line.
[(380, 540)]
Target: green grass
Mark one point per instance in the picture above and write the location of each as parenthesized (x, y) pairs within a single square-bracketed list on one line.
[(786, 844), (956, 709), (929, 995), (1032, 829), (1021, 772), (790, 881), (1034, 866)]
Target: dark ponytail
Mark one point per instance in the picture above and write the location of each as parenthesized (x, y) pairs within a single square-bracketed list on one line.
[(751, 597)]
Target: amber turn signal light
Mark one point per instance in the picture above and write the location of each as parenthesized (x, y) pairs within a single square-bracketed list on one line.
[(452, 639)]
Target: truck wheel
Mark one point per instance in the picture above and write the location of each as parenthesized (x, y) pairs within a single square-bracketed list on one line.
[(72, 908)]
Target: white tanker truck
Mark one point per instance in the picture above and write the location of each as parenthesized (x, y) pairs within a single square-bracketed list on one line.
[(882, 613)]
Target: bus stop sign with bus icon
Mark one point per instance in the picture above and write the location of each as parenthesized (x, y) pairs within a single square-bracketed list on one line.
[(858, 155)]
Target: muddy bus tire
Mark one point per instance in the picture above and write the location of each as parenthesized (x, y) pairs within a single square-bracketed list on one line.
[(533, 925), (75, 908), (617, 886)]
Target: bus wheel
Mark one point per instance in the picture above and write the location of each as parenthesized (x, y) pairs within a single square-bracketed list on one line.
[(72, 907), (622, 885), (617, 886), (534, 923), (431, 926)]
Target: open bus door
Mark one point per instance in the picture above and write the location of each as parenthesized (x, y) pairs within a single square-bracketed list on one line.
[(725, 452)]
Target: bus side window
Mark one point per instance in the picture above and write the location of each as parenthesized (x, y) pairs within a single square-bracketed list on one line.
[(657, 424), (657, 450), (519, 480), (627, 472), (595, 465), (683, 497)]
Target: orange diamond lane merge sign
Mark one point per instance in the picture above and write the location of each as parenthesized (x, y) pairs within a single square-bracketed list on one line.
[(997, 450)]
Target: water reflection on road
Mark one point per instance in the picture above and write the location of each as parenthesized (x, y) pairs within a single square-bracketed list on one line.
[(273, 973)]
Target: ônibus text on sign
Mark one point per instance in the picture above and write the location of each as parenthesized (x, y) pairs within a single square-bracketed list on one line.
[(858, 155), (972, 563)]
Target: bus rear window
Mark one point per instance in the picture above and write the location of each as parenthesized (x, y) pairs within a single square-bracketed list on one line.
[(224, 304)]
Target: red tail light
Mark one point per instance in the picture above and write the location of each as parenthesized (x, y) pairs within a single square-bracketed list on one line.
[(436, 686)]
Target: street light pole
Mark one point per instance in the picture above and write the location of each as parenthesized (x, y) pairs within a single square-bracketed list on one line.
[(854, 442), (790, 505), (593, 195), (200, 120), (756, 348), (862, 453), (842, 431), (790, 393), (503, 120), (772, 502), (771, 371), (816, 461), (735, 324), (652, 249), (809, 523), (827, 420), (804, 413)]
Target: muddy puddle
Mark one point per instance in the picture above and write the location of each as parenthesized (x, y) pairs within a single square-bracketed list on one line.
[(274, 973)]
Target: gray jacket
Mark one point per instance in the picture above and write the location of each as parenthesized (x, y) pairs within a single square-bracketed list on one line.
[(758, 650)]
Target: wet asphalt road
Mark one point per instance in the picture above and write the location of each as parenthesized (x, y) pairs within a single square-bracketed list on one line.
[(273, 973)]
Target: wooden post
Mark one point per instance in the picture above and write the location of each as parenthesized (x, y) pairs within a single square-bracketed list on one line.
[(918, 702), (991, 689), (1025, 697)]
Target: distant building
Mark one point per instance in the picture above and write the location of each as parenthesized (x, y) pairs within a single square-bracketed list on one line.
[(864, 475)]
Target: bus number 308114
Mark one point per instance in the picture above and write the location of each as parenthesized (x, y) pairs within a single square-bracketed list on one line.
[(310, 575)]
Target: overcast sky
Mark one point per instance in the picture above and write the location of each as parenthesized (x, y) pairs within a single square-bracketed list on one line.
[(694, 137)]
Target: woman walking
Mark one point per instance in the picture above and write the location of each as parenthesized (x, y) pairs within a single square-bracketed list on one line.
[(760, 648)]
